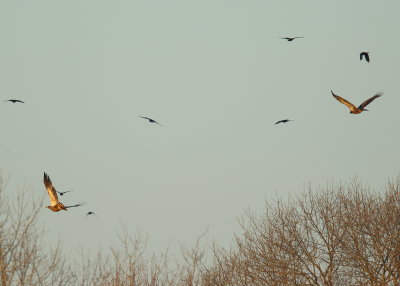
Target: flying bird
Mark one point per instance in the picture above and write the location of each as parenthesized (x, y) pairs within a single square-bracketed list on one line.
[(62, 193), (365, 55), (14, 100), (291, 39), (56, 205), (150, 120), (91, 213), (352, 107), (283, 121)]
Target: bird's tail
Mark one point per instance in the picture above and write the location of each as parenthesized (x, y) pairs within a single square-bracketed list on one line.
[(62, 206)]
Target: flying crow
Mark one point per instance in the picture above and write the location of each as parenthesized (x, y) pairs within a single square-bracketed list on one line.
[(91, 213), (14, 100), (365, 55), (62, 193), (150, 120), (291, 39), (283, 121)]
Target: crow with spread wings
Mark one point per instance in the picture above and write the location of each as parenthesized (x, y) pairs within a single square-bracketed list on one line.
[(289, 39), (283, 121), (150, 120), (14, 100)]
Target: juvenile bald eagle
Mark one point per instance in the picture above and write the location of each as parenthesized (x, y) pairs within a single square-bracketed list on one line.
[(14, 100), (352, 107), (291, 39), (56, 205), (365, 55), (150, 120)]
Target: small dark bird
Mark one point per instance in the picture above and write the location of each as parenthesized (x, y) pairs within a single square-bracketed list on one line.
[(291, 39), (91, 213), (283, 121), (14, 100), (151, 120), (352, 107), (62, 193), (56, 205), (365, 55)]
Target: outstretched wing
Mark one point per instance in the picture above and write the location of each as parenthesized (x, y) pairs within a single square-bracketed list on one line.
[(73, 206), (344, 101), (368, 101), (50, 190)]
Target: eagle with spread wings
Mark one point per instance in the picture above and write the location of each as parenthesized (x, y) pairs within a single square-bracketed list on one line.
[(352, 107), (56, 205)]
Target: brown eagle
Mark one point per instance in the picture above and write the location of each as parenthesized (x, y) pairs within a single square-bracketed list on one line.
[(352, 107), (56, 205)]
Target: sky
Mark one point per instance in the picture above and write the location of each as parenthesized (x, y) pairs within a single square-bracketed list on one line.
[(217, 76)]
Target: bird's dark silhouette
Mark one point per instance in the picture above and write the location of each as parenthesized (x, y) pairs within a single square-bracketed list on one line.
[(91, 213), (151, 120), (365, 55), (56, 205), (283, 121), (352, 107), (289, 39), (62, 193), (14, 100)]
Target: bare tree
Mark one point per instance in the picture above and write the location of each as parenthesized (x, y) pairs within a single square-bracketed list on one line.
[(336, 236), (23, 259), (126, 265)]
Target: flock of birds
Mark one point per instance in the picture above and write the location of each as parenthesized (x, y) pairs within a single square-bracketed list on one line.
[(352, 107), (56, 205)]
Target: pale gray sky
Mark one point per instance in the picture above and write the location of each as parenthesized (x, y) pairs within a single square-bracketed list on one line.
[(217, 76)]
